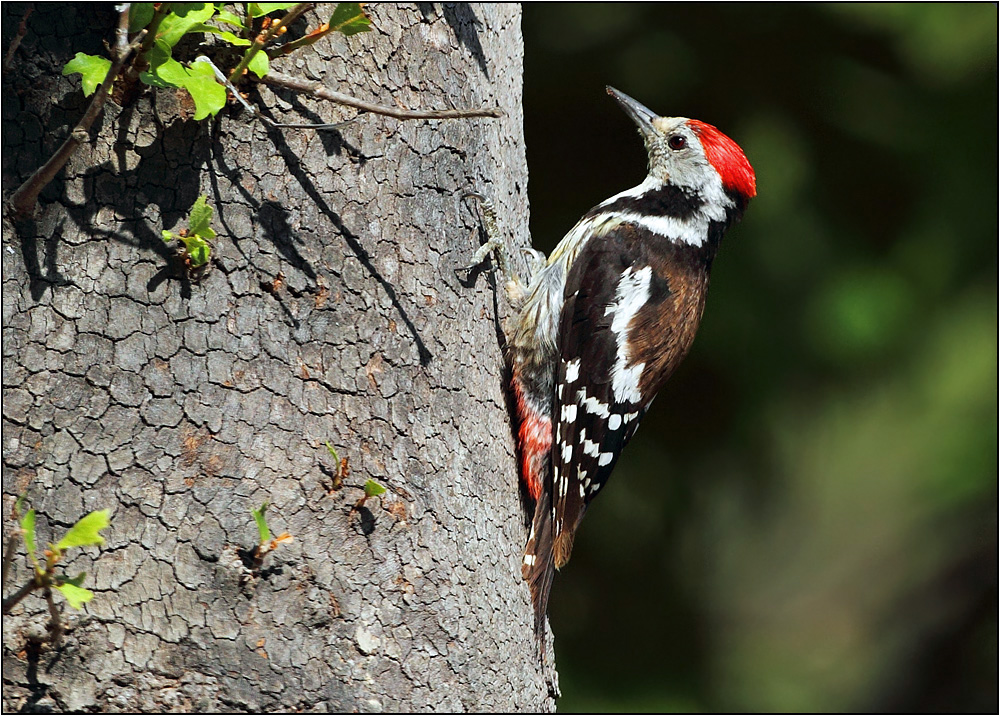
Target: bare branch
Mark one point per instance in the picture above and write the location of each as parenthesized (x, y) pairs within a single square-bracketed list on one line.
[(55, 626), (255, 112), (121, 34), (12, 601), (316, 89), (23, 200), (8, 557), (22, 30)]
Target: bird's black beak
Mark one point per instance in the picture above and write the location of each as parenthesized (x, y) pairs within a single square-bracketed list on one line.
[(640, 113)]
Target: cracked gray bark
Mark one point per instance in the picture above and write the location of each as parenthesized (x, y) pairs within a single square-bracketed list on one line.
[(180, 406)]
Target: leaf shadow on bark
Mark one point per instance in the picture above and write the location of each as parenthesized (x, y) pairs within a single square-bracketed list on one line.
[(172, 189), (333, 141), (462, 20), (353, 241), (38, 280)]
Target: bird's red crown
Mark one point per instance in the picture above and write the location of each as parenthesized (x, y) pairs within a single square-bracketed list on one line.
[(728, 159)]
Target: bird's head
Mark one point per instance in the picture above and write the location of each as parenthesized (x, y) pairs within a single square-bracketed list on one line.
[(691, 154)]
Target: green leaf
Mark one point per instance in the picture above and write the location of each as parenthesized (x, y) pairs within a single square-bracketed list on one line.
[(224, 34), (139, 15), (92, 68), (333, 452), (350, 19), (259, 64), (76, 596), (198, 249), (28, 525), (168, 236), (200, 216), (184, 18), (76, 581), (208, 95), (373, 489), (164, 71), (256, 9), (229, 18), (85, 531), (262, 529)]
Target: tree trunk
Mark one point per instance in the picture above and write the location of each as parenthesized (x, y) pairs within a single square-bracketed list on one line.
[(332, 312)]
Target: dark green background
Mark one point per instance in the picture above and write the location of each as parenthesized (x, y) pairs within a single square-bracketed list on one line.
[(807, 519)]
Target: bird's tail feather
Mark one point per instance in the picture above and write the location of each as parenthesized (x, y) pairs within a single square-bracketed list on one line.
[(538, 567)]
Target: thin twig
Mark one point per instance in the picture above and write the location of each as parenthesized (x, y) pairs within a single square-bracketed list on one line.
[(23, 200), (255, 112), (266, 36), (151, 29), (55, 622), (121, 32), (12, 601), (22, 30), (307, 39), (316, 89), (8, 556)]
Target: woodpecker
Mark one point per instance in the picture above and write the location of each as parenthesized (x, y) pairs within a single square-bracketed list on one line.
[(606, 319)]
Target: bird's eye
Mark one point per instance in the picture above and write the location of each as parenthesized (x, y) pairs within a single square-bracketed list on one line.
[(677, 142)]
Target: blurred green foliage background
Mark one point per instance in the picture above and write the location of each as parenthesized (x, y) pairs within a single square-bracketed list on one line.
[(807, 519)]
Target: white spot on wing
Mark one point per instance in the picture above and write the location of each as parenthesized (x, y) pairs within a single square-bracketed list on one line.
[(615, 421), (567, 453), (569, 413), (593, 405), (591, 448), (605, 459), (572, 371)]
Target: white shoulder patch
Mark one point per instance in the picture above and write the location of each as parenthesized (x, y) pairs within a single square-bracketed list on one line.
[(631, 294)]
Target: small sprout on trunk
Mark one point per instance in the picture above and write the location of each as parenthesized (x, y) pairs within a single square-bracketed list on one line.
[(267, 543), (193, 242), (372, 489), (340, 469), (85, 533)]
